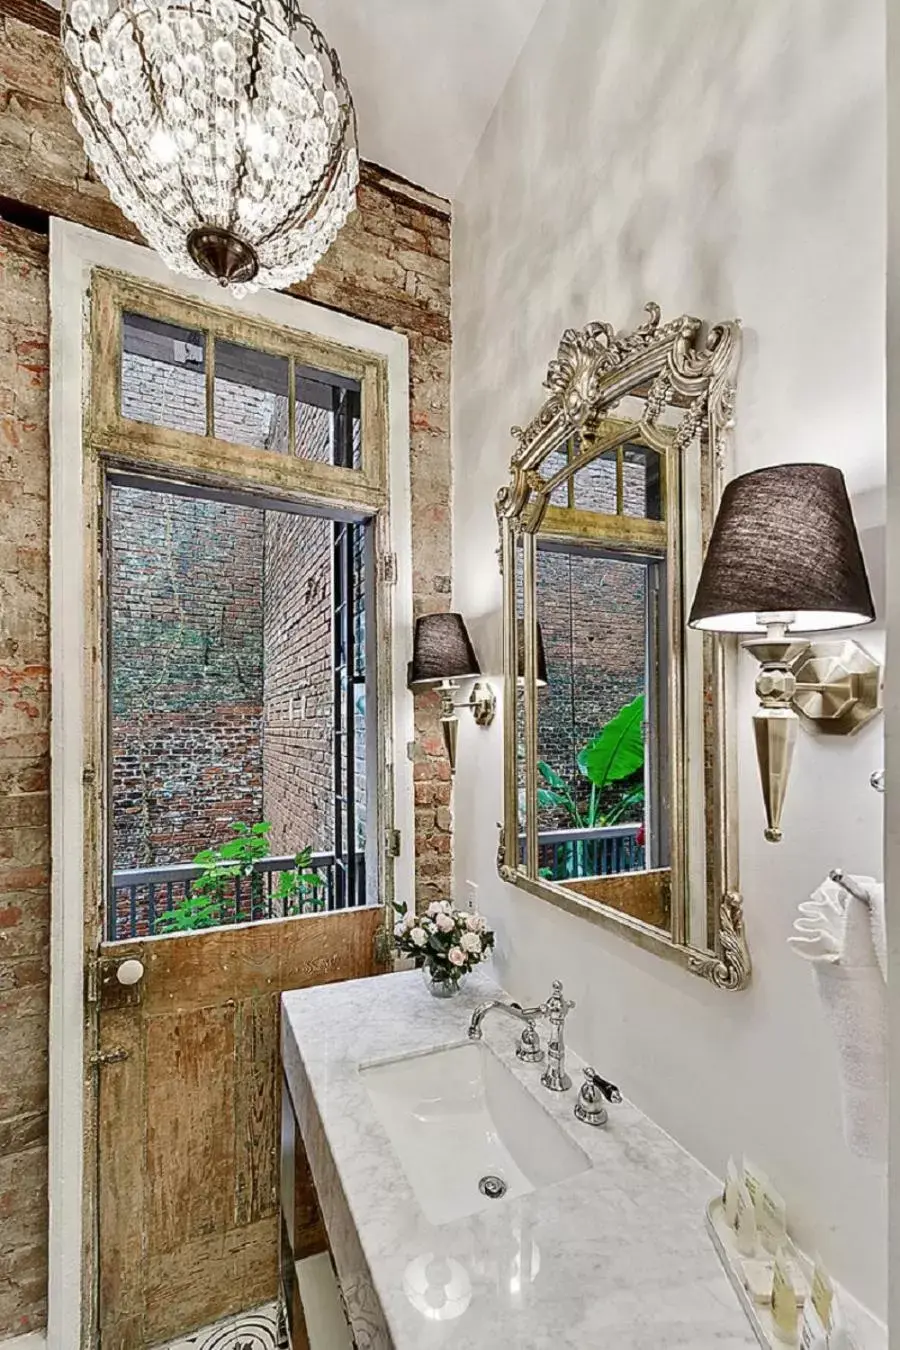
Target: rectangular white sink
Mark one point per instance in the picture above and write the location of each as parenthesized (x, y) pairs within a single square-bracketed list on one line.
[(458, 1116)]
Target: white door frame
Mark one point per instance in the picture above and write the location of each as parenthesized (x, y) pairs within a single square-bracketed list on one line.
[(74, 252)]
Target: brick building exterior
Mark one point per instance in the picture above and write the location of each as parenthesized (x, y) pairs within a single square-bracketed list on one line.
[(390, 266), (187, 673), (298, 775)]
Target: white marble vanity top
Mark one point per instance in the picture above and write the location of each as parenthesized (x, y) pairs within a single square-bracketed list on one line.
[(614, 1257)]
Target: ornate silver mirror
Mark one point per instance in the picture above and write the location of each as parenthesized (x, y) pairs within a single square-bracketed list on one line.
[(618, 757)]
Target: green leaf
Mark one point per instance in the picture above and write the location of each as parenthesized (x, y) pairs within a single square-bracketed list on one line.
[(618, 751), (551, 776), (632, 801), (546, 798)]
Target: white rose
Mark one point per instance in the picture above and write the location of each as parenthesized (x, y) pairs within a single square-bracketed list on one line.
[(434, 908), (399, 930), (470, 942), (445, 923), (457, 956), (474, 923), (445, 906), (419, 936)]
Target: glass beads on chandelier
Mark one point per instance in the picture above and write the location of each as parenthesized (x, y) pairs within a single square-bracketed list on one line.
[(223, 129)]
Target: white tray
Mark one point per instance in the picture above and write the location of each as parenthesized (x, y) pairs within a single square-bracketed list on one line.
[(759, 1316)]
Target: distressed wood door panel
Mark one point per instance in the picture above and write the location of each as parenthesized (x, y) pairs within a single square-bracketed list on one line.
[(189, 1120), (190, 1149)]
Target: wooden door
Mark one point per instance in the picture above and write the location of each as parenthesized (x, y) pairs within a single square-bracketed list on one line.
[(188, 1115), (183, 1135)]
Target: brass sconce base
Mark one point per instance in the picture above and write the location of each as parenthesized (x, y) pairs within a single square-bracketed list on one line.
[(482, 703), (833, 686), (838, 686)]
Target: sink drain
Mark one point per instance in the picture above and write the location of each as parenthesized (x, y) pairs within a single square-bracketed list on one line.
[(492, 1187)]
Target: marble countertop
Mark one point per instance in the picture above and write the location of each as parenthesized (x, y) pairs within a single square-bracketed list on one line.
[(616, 1256)]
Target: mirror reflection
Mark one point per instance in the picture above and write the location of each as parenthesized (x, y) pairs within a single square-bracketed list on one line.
[(602, 738), (617, 780)]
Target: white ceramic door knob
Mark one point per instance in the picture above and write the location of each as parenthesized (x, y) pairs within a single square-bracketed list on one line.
[(130, 971)]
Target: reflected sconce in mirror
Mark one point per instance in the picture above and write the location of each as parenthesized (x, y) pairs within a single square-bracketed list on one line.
[(442, 656), (784, 557), (542, 679)]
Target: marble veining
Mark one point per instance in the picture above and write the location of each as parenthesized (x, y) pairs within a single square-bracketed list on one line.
[(617, 1255)]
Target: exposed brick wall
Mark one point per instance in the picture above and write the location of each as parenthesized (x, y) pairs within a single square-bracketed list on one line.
[(187, 669), (298, 778), (390, 265), (24, 768)]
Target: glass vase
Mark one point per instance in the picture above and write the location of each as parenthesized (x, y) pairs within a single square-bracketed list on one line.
[(440, 985)]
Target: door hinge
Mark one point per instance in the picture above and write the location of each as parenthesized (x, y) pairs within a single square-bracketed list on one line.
[(107, 1057), (388, 568), (92, 982), (392, 843)]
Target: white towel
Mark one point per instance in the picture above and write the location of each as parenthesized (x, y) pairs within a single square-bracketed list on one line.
[(845, 941)]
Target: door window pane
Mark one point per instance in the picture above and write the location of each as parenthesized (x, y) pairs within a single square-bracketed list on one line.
[(328, 418), (241, 734), (163, 374), (251, 397)]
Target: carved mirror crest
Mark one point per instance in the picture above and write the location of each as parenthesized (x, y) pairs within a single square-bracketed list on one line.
[(617, 748)]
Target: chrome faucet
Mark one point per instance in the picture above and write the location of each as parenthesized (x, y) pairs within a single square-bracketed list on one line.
[(529, 1047), (557, 1009)]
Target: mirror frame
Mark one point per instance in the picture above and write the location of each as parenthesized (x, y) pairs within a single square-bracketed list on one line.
[(690, 370)]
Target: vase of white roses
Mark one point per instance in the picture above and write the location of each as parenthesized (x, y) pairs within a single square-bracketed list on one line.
[(446, 943)]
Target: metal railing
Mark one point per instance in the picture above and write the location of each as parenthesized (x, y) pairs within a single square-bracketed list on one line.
[(605, 850), (140, 897)]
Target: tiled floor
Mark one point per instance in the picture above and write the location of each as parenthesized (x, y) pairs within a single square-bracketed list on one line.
[(256, 1330)]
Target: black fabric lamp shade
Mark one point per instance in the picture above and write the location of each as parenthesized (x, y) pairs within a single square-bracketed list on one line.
[(441, 650), (542, 676), (784, 541)]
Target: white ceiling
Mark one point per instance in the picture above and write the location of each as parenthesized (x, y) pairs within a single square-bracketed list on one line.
[(425, 76)]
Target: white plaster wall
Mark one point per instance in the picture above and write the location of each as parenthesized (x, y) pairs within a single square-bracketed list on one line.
[(722, 159)]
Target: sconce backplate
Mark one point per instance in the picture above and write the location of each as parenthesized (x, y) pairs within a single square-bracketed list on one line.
[(839, 686), (483, 702)]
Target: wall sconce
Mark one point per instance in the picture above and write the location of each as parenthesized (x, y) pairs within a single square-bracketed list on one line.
[(784, 556), (442, 655)]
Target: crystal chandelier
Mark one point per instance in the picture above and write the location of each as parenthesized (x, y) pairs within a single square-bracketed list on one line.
[(224, 129)]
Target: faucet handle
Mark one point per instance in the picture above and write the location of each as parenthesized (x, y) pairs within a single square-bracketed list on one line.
[(529, 1047), (589, 1107), (556, 1003), (609, 1090)]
